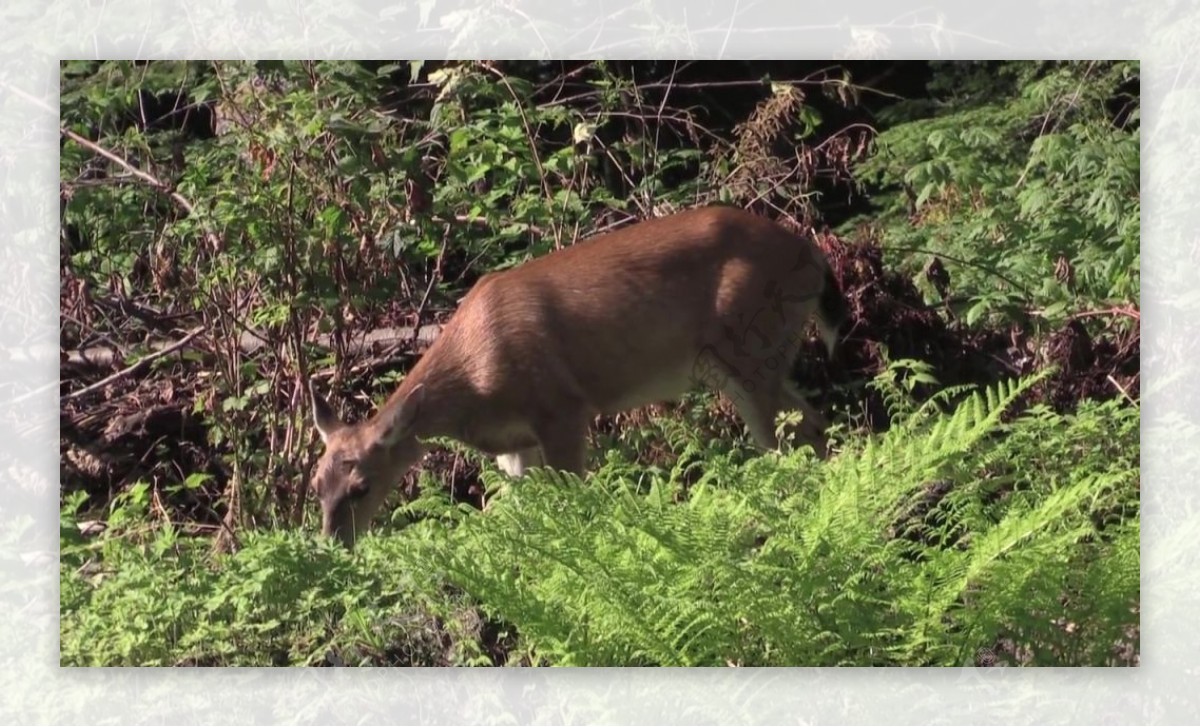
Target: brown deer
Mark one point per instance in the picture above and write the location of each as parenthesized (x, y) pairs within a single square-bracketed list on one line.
[(714, 296)]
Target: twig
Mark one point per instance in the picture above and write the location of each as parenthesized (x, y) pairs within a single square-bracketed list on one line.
[(658, 116), (137, 366), (146, 177), (1127, 311), (476, 221), (985, 268), (1121, 389), (1050, 114), (759, 82), (149, 179), (433, 279), (613, 225)]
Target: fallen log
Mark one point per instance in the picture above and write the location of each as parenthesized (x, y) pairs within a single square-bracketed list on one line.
[(371, 343)]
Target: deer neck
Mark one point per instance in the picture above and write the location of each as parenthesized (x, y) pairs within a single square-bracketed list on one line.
[(445, 392)]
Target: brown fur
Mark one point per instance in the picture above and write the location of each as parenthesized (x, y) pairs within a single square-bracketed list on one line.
[(713, 296)]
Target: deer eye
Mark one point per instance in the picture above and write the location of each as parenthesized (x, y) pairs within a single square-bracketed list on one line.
[(348, 465)]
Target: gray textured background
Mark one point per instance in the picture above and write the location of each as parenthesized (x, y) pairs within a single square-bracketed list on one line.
[(35, 34)]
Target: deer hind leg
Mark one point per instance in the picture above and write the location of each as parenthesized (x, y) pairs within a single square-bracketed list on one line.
[(514, 464), (563, 440)]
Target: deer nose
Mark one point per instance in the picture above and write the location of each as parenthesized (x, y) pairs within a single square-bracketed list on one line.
[(343, 533)]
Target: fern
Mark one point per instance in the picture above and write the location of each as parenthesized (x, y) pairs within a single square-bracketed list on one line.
[(787, 561), (954, 534)]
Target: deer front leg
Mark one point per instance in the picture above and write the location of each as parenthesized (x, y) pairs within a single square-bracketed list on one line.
[(514, 464)]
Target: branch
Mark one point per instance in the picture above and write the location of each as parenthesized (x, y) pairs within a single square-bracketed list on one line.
[(433, 279), (1128, 311), (985, 268), (136, 366), (1122, 389), (149, 179)]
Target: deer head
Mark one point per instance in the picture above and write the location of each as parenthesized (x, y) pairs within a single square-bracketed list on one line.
[(363, 462)]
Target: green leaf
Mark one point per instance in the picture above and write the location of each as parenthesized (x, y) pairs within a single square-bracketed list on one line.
[(196, 480), (459, 139), (977, 311)]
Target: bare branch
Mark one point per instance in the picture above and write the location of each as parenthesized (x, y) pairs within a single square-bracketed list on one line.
[(149, 179), (136, 366)]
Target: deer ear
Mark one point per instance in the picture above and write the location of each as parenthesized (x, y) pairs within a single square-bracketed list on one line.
[(398, 423), (324, 417)]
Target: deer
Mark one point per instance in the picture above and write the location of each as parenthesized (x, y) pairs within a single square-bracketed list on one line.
[(714, 297)]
